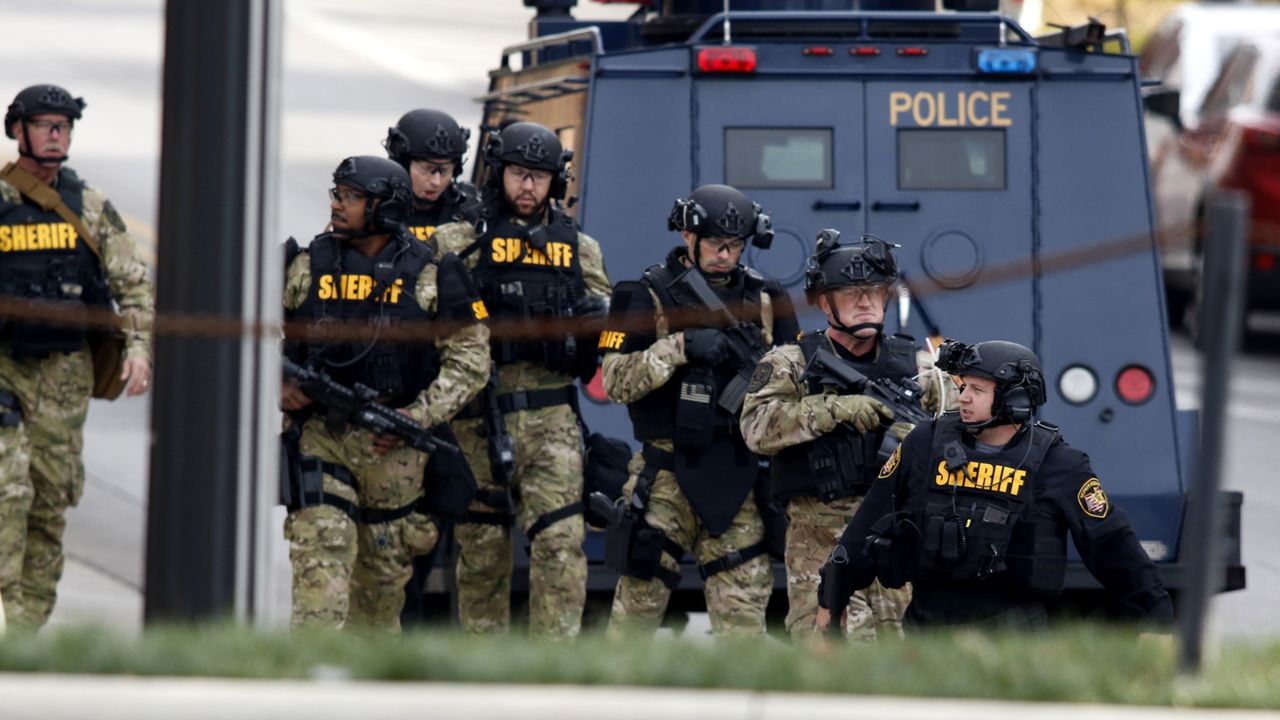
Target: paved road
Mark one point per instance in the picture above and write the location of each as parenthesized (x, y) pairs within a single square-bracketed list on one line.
[(350, 70)]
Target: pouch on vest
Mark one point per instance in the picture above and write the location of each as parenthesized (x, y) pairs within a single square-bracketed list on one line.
[(696, 409)]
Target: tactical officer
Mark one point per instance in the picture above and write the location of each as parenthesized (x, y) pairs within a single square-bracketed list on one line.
[(523, 439), (974, 510), (351, 551), (824, 435), (679, 345), (431, 146), (63, 242)]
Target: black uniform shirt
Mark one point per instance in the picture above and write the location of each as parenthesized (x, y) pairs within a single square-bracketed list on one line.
[(1065, 489)]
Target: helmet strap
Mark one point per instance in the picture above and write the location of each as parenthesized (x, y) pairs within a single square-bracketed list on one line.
[(837, 322)]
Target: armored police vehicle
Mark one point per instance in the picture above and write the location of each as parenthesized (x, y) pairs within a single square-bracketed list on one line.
[(1010, 169)]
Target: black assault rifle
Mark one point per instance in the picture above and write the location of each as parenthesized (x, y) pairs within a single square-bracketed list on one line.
[(903, 398), (502, 448), (745, 340), (359, 403)]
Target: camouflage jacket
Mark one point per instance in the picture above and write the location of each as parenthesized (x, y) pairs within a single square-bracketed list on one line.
[(127, 273), (458, 236), (778, 411), (464, 355)]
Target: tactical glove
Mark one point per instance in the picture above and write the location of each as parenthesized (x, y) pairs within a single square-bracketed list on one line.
[(863, 412), (900, 429), (590, 306), (706, 344)]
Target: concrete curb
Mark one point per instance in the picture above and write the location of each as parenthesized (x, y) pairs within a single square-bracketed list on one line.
[(53, 697)]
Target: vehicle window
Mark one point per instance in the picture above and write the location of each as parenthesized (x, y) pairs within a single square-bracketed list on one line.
[(1230, 87), (1273, 97), (951, 159), (778, 157)]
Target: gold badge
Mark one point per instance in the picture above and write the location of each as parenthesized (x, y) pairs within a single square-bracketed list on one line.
[(1093, 500), (479, 310), (891, 465)]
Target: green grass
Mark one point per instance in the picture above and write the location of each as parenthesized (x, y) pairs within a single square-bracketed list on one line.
[(1078, 664)]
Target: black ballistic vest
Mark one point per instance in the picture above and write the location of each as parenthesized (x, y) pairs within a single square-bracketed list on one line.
[(714, 468), (43, 258), (351, 288), (843, 462), (530, 273), (978, 518)]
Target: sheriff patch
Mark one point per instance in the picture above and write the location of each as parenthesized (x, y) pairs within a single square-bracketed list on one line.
[(760, 377), (891, 465), (1093, 500)]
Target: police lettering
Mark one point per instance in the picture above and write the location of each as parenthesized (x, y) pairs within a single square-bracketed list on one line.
[(611, 340), (356, 287), (978, 108), (37, 236), (423, 232), (511, 251), (982, 476)]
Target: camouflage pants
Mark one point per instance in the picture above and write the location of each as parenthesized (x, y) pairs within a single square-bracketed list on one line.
[(547, 476), (347, 573), (736, 598), (41, 475), (814, 528)]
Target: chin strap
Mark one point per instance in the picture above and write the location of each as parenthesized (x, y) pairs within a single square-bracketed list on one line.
[(838, 322)]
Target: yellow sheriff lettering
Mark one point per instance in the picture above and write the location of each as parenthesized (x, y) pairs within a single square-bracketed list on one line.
[(509, 251), (982, 476), (356, 287), (423, 232), (612, 340), (948, 109), (37, 237)]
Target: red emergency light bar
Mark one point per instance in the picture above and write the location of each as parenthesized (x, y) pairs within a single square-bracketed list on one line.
[(819, 51), (913, 51), (727, 60), (864, 51)]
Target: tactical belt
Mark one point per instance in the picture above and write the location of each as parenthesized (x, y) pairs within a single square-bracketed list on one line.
[(545, 521), (733, 559), (493, 499), (12, 414), (523, 400), (364, 516), (656, 460)]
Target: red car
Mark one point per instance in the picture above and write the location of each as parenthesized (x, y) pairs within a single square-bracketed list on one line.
[(1232, 143)]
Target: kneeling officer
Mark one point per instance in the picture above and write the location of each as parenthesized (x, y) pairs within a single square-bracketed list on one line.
[(974, 510), (356, 521)]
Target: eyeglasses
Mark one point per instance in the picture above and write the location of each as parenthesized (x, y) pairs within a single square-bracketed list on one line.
[(47, 126), (538, 177), (431, 169), (875, 291), (729, 245), (344, 195)]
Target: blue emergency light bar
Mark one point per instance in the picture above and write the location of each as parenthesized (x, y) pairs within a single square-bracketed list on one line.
[(1006, 61)]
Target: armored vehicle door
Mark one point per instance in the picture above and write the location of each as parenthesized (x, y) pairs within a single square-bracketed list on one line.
[(949, 178), (795, 148)]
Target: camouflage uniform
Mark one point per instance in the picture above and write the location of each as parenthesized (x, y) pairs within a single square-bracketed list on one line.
[(354, 573), (547, 476), (737, 597), (779, 413), (41, 471)]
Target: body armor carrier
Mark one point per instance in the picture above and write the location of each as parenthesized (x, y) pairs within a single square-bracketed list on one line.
[(530, 273), (979, 521), (424, 221), (43, 258), (684, 410), (349, 287), (843, 462)]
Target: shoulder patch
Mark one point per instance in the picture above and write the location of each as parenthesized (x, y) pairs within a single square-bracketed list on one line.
[(1093, 499), (760, 378), (891, 465), (111, 216)]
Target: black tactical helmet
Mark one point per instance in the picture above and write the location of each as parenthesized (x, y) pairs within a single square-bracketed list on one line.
[(1017, 371), (380, 179), (722, 211), (532, 146), (427, 135), (834, 265), (42, 100)]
